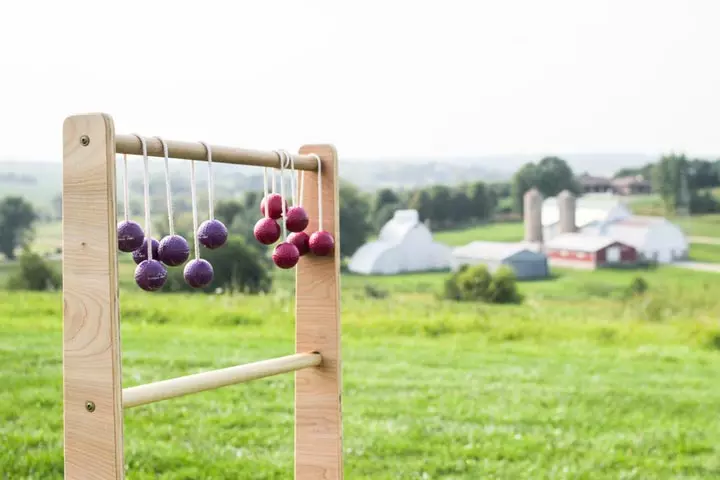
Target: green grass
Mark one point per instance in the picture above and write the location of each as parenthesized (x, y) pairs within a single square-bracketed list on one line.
[(703, 252), (579, 382), (497, 232), (700, 225)]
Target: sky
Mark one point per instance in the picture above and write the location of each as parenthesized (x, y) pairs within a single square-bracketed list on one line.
[(377, 79)]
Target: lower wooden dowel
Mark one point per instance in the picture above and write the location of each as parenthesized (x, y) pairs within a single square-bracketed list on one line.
[(177, 387)]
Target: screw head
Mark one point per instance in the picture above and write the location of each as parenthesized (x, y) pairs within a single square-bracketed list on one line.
[(90, 406), (84, 140)]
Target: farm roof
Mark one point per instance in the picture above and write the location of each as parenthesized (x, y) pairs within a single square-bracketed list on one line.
[(580, 242), (491, 250)]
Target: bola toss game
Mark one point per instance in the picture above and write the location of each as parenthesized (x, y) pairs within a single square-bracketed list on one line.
[(305, 232)]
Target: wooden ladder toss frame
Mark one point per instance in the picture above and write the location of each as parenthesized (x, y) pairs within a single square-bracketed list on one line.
[(92, 375)]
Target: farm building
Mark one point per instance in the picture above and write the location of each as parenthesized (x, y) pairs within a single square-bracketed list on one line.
[(585, 210), (522, 258), (405, 244), (583, 250), (655, 238)]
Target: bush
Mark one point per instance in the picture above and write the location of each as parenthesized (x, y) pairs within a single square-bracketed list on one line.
[(503, 288), (638, 286), (237, 267), (476, 284), (34, 274)]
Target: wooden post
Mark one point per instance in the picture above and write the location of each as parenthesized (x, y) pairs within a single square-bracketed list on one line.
[(318, 400), (92, 388)]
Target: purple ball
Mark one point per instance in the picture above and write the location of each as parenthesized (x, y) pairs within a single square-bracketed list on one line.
[(150, 275), (198, 273), (173, 250), (140, 255), (130, 236), (212, 234)]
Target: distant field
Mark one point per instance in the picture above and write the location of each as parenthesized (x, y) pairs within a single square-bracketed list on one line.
[(700, 225), (701, 252), (497, 232)]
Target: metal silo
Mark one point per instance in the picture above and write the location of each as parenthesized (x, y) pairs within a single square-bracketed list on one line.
[(566, 211), (532, 207)]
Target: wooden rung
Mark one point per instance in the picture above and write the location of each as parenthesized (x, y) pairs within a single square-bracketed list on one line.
[(131, 145), (177, 387)]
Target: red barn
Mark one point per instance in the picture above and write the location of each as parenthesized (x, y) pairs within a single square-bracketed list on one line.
[(578, 250)]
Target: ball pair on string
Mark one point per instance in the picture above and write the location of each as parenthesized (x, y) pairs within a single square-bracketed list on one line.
[(150, 274), (212, 233)]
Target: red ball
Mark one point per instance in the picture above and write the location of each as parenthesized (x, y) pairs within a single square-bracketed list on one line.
[(275, 202), (266, 231), (321, 243), (286, 255), (301, 240), (296, 219)]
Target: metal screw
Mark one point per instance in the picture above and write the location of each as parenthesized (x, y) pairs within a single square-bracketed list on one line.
[(90, 406), (84, 140)]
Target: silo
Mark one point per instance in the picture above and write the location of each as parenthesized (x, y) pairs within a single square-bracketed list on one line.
[(532, 208), (566, 212)]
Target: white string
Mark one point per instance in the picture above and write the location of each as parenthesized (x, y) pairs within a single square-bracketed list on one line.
[(148, 234), (281, 155), (301, 192), (211, 186), (168, 189), (293, 180), (320, 203), (265, 192), (126, 189), (193, 199), (272, 179)]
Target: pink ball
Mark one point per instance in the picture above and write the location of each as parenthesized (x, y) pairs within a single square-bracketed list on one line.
[(301, 240), (321, 243), (275, 202), (286, 255), (296, 219), (266, 231)]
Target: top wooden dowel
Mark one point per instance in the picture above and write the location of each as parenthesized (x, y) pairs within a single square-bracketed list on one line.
[(131, 145)]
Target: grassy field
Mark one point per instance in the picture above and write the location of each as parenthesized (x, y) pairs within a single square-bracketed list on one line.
[(581, 381), (701, 252)]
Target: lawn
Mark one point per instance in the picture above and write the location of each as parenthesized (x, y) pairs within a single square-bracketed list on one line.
[(496, 232), (704, 252), (581, 381)]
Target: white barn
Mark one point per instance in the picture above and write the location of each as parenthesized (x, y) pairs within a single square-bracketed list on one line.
[(655, 238), (405, 244)]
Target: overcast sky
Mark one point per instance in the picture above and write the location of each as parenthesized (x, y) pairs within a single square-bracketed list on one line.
[(376, 78)]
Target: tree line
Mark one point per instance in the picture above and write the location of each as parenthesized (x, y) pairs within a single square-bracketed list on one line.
[(679, 181)]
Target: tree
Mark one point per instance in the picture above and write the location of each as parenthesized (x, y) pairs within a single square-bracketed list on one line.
[(354, 219), (441, 201), (480, 201), (668, 176), (421, 201), (16, 224), (34, 274), (384, 197), (554, 176), (523, 180), (550, 176), (236, 266), (228, 210)]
